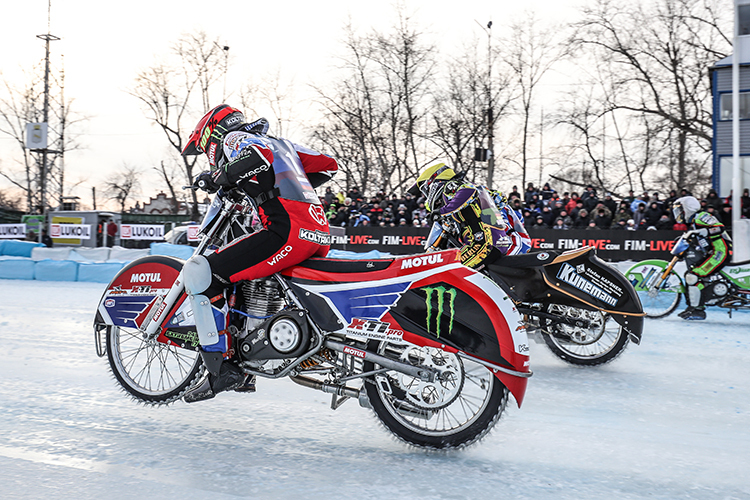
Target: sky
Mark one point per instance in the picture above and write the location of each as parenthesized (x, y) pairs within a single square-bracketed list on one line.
[(103, 46)]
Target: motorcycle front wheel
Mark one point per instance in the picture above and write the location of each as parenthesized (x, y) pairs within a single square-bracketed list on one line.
[(151, 372), (599, 339), (456, 410)]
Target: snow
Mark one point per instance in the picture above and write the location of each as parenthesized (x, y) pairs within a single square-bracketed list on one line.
[(668, 419)]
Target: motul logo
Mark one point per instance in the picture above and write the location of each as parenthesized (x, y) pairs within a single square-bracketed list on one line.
[(145, 278), (425, 260), (354, 352)]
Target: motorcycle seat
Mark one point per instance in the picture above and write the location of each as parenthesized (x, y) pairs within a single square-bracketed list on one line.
[(535, 259), (345, 265)]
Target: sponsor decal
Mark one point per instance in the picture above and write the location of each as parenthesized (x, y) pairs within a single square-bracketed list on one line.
[(316, 236), (79, 231), (371, 329), (569, 275), (109, 303), (141, 232), (161, 309), (145, 277), (318, 215), (542, 256), (443, 299), (282, 253), (252, 173), (212, 153), (424, 260), (354, 352), (184, 337), (12, 230), (117, 290), (232, 120), (204, 138)]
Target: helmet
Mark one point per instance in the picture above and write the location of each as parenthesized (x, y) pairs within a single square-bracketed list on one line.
[(208, 134), (431, 183), (685, 208)]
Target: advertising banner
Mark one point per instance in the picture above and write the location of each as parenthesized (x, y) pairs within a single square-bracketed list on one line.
[(15, 231), (141, 232), (75, 232), (192, 233), (612, 245), (58, 221)]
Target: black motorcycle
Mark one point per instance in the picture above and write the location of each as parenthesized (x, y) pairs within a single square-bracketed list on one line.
[(585, 310)]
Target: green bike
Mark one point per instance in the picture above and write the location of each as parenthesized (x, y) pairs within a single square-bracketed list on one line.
[(660, 287)]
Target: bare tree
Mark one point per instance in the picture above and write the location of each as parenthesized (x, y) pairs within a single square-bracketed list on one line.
[(658, 55), (20, 105), (122, 185), (175, 93), (530, 51), (373, 118), (459, 122)]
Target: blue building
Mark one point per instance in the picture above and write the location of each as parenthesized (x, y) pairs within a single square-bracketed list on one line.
[(721, 87)]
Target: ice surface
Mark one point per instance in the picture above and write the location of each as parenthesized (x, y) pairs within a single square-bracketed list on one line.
[(669, 419)]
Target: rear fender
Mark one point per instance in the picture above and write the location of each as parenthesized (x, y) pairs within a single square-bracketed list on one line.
[(584, 276)]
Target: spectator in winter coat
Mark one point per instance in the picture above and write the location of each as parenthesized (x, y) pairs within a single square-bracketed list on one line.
[(610, 203), (639, 216), (547, 192), (631, 225), (665, 223), (623, 214), (713, 200), (592, 225), (559, 224), (529, 194), (571, 205), (567, 219), (653, 214), (602, 220), (620, 225), (582, 221)]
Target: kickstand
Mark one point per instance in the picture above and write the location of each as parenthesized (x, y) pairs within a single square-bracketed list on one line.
[(336, 401), (730, 313)]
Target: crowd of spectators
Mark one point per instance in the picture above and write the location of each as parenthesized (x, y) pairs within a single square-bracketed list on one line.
[(540, 208)]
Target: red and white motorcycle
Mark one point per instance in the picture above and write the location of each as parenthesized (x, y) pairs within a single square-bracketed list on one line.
[(433, 347)]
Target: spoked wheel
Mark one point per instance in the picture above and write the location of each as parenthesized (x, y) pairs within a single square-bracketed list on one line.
[(457, 409), (595, 339), (660, 301), (152, 372)]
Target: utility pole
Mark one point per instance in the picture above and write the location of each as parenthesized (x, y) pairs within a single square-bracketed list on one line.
[(490, 114), (43, 167)]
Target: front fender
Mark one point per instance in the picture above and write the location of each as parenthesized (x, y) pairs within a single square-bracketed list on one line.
[(130, 295)]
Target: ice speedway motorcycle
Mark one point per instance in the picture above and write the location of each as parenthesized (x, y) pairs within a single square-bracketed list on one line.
[(661, 288), (433, 347), (583, 309)]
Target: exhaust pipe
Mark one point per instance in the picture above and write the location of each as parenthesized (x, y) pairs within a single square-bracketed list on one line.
[(347, 392)]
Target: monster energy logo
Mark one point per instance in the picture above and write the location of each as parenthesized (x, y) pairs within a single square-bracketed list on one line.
[(440, 292)]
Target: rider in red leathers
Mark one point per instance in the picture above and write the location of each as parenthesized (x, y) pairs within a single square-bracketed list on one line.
[(279, 176)]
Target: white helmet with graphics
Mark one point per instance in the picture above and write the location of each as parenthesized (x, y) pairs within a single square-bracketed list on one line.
[(685, 208)]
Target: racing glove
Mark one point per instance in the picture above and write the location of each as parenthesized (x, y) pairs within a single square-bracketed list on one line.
[(205, 182)]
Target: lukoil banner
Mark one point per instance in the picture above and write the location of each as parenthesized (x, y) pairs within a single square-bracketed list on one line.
[(17, 231), (78, 231), (141, 232)]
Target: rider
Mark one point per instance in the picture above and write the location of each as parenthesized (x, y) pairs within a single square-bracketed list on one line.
[(487, 232), (279, 176), (709, 248)]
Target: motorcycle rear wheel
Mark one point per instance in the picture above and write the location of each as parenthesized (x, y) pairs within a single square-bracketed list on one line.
[(603, 340), (151, 372), (453, 412)]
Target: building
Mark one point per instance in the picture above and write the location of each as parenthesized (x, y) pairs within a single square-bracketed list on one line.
[(721, 89)]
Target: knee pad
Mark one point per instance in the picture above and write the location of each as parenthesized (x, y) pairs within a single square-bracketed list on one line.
[(196, 274), (691, 279)]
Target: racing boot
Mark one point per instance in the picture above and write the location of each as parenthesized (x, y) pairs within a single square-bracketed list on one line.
[(693, 313), (228, 377), (695, 310)]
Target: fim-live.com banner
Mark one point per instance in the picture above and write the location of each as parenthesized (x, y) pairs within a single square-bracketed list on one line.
[(611, 245)]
